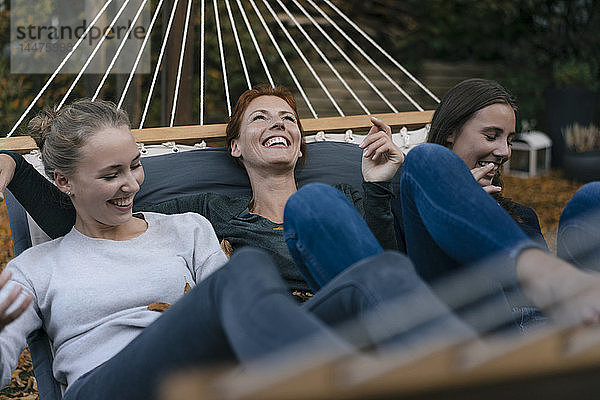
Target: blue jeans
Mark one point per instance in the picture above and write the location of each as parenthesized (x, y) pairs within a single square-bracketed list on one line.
[(335, 250), (452, 225), (578, 240), (450, 221), (325, 234), (387, 305), (240, 313)]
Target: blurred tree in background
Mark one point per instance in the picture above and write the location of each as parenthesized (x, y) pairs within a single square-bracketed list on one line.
[(523, 41)]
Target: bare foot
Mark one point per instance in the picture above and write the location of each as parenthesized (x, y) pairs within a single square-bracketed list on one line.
[(564, 292)]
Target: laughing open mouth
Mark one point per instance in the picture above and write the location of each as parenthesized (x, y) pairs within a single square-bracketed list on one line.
[(122, 201), (276, 141)]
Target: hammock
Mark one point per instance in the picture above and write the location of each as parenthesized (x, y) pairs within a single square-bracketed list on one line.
[(317, 33)]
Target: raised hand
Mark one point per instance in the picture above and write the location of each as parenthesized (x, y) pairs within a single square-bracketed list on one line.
[(7, 170), (6, 317), (481, 176), (381, 157)]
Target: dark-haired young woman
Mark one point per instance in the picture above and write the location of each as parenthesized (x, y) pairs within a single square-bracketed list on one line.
[(476, 119)]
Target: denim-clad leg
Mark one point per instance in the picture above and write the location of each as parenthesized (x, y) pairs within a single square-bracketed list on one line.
[(387, 304), (578, 240), (379, 291), (325, 233), (449, 220), (240, 313)]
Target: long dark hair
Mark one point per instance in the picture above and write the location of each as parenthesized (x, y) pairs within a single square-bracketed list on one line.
[(461, 103), (458, 106)]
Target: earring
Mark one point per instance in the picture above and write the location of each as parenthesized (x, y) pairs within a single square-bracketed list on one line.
[(68, 193)]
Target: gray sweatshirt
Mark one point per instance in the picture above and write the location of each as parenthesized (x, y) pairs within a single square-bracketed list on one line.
[(92, 295)]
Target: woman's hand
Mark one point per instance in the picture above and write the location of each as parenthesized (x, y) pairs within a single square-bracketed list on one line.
[(381, 157), (480, 175), (5, 317), (7, 171)]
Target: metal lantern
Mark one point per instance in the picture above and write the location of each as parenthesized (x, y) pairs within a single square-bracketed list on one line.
[(530, 154)]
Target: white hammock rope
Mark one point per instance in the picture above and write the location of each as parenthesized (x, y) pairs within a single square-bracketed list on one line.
[(385, 53), (283, 23), (329, 64), (202, 28), (158, 63), (91, 57), (180, 66), (121, 45), (222, 54), (139, 54), (373, 63), (285, 61), (300, 53), (238, 44), (256, 46), (354, 66), (59, 68)]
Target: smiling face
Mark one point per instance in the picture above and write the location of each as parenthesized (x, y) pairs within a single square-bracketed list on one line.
[(486, 137), (269, 135), (106, 178)]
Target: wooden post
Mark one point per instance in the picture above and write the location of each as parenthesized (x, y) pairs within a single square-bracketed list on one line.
[(184, 114)]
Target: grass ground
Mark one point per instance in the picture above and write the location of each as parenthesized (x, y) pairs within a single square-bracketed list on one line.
[(546, 194)]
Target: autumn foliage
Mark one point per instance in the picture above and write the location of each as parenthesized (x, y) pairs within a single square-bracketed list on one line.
[(23, 385)]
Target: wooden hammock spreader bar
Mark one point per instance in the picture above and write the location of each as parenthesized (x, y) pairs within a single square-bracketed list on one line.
[(20, 144), (549, 353), (214, 134)]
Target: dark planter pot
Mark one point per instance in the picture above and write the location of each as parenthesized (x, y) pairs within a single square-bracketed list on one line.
[(565, 107), (583, 166)]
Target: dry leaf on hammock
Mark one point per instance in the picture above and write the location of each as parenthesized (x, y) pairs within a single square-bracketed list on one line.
[(227, 247), (160, 307)]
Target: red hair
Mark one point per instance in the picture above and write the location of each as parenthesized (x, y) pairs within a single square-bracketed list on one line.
[(232, 131)]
